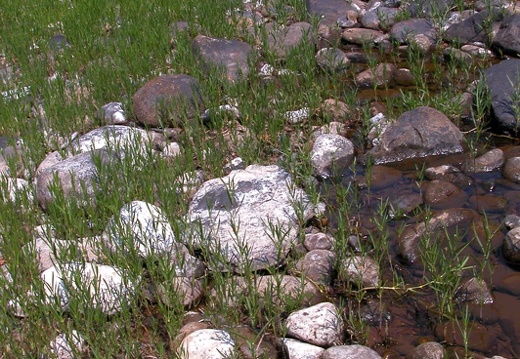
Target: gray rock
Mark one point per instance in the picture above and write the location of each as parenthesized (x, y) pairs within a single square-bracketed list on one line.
[(474, 290), (404, 32), (331, 154), (112, 114), (354, 351), (429, 350), (362, 271), (448, 173), (507, 39), (360, 36), (168, 101), (282, 40), (381, 76), (248, 218), (476, 28), (502, 80), (328, 11), (299, 350), (230, 55), (511, 246), (319, 241), (317, 265), (331, 59), (17, 191), (421, 132), (183, 290), (207, 344), (380, 18), (320, 325)]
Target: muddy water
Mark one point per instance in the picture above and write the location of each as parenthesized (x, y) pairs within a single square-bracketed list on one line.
[(400, 320)]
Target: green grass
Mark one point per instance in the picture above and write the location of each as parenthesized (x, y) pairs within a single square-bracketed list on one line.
[(115, 47)]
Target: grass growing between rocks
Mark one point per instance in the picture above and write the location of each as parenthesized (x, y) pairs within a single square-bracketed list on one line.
[(111, 49)]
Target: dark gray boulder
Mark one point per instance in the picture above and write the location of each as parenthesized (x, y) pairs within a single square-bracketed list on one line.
[(230, 55), (476, 28), (503, 80), (168, 101), (405, 31), (507, 39)]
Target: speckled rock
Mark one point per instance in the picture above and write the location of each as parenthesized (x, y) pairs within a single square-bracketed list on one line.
[(490, 161), (360, 270), (511, 169), (207, 344), (429, 350), (331, 59), (299, 350), (474, 290), (440, 194), (282, 40), (317, 265), (320, 325), (511, 246), (331, 154), (354, 351)]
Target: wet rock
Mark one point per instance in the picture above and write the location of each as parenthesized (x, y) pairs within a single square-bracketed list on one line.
[(429, 350), (476, 28), (183, 290), (409, 241), (374, 313), (350, 351), (405, 32), (64, 346), (207, 344), (511, 169), (231, 55), (252, 208), (380, 18), (511, 246), (421, 132), (112, 114), (331, 59), (448, 173), (380, 177), (300, 350), (502, 81), (360, 36), (281, 41), (441, 194), (320, 325), (474, 290), (335, 109), (488, 162), (507, 38), (168, 101), (328, 11), (317, 265), (456, 55), (510, 284), (381, 76), (362, 271), (512, 221), (404, 204), (331, 154), (76, 178), (479, 337), (102, 286), (488, 203), (319, 241)]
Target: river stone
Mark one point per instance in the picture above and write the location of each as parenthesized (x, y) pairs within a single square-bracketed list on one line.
[(248, 217), (46, 250), (77, 176), (448, 173), (168, 101), (335, 110), (328, 11), (410, 239), (319, 241), (380, 177), (112, 114), (65, 345), (490, 161), (360, 36), (474, 290), (421, 132), (331, 59), (429, 350), (362, 271), (317, 265), (299, 350), (404, 32), (187, 291), (440, 194), (16, 190), (429, 8), (507, 38), (320, 325), (511, 246), (102, 286), (207, 344), (282, 40), (254, 346), (231, 55), (354, 351), (331, 154), (472, 29), (380, 18), (381, 76), (511, 169), (502, 80), (480, 337)]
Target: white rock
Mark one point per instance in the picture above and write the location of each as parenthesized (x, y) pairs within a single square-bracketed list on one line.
[(16, 188), (300, 350), (64, 346), (298, 116), (331, 154), (54, 288), (171, 150), (361, 270), (207, 344), (320, 325), (350, 351), (112, 113)]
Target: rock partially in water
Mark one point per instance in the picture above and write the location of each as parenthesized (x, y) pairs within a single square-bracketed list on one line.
[(380, 177), (421, 132), (479, 337), (317, 265), (331, 59), (362, 271), (474, 290), (320, 325), (502, 81), (350, 351), (440, 194), (507, 38), (511, 246), (168, 101), (448, 173), (381, 76), (511, 169), (231, 55), (476, 28), (429, 350), (301, 350), (331, 154), (406, 31), (490, 161)]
